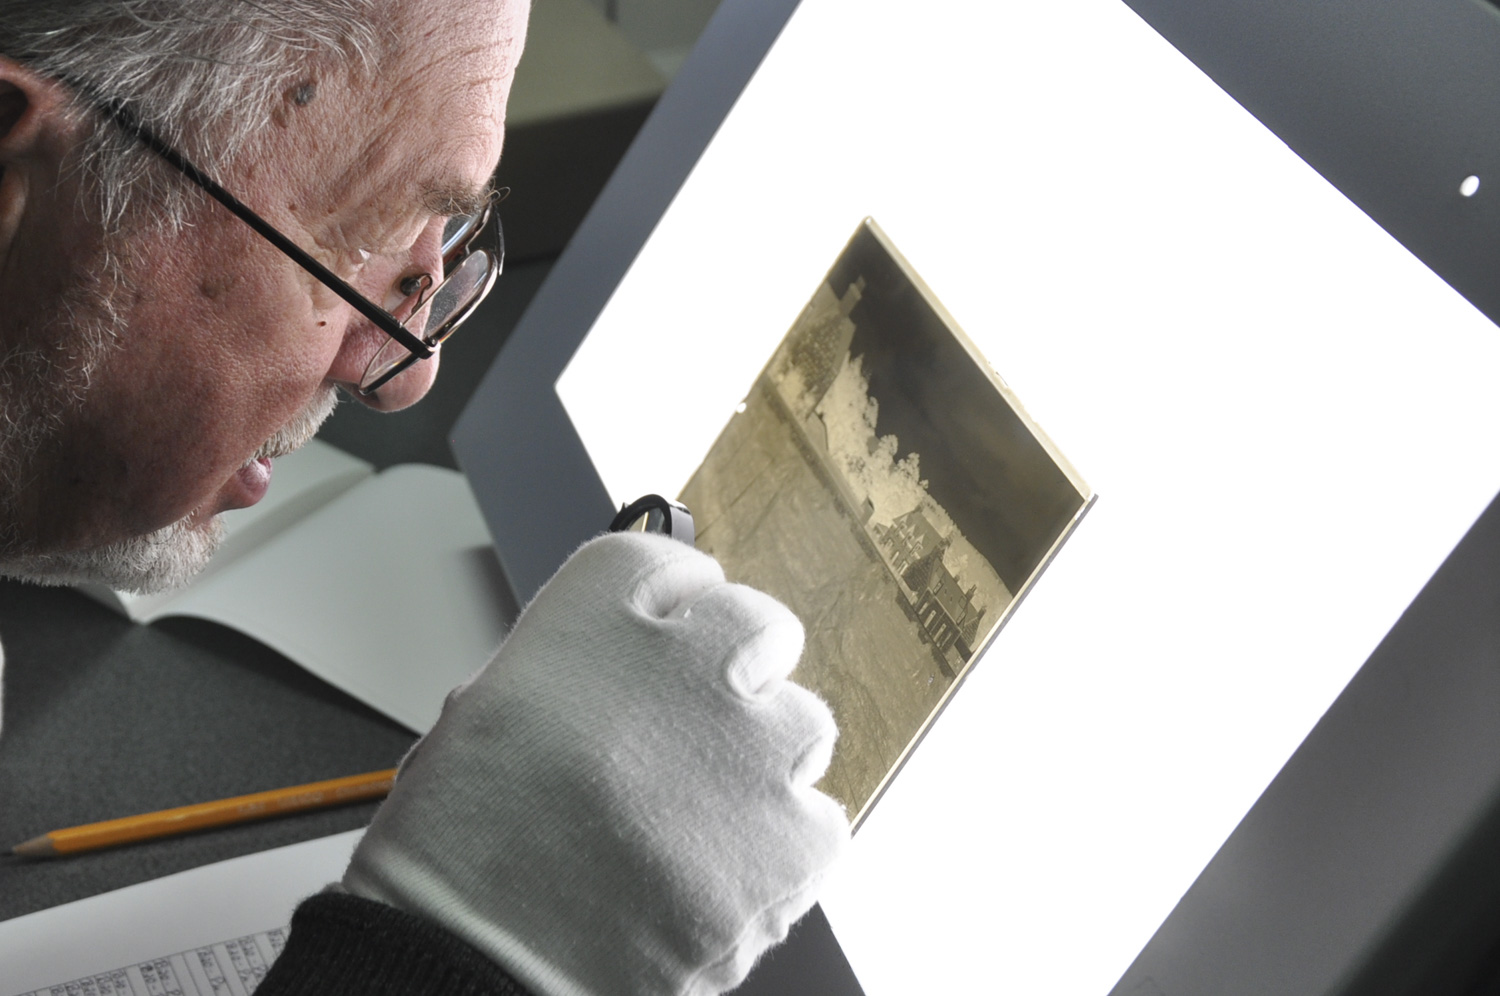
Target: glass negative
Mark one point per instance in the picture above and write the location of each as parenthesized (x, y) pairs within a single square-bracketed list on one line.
[(882, 482)]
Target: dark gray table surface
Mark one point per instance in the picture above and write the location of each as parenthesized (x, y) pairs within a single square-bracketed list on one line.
[(105, 718)]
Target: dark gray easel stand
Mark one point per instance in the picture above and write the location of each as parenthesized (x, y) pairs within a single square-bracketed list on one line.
[(1366, 867)]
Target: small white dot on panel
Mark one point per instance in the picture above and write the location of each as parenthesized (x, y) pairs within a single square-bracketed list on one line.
[(1470, 186)]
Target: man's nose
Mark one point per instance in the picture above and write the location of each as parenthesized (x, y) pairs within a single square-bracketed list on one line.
[(403, 390), (422, 271)]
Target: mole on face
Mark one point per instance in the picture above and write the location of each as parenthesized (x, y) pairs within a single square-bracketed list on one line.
[(214, 286), (293, 98)]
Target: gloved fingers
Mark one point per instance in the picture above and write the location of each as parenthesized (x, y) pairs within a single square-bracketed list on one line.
[(822, 837), (819, 836), (763, 637), (662, 577), (827, 827), (762, 932), (807, 728), (652, 572), (671, 591), (821, 733)]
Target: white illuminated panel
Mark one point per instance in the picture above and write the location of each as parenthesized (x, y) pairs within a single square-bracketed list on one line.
[(1287, 417)]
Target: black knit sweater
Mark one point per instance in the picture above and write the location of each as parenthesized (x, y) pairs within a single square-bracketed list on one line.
[(342, 945)]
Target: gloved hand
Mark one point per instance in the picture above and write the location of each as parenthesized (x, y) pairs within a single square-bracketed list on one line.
[(622, 801)]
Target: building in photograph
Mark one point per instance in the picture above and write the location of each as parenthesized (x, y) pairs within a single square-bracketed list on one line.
[(907, 540), (944, 609)]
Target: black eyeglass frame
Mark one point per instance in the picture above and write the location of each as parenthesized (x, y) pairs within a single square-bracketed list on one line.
[(417, 347)]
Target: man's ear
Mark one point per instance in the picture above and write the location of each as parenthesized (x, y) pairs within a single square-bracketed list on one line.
[(36, 133)]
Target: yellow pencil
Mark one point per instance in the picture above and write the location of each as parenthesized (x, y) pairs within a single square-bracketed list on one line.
[(183, 819)]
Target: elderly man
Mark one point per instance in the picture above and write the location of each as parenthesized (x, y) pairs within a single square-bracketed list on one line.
[(215, 216)]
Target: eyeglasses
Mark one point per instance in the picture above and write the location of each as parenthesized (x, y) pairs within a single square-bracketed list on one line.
[(469, 271)]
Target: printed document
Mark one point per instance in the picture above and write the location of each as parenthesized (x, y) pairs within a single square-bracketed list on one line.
[(211, 931)]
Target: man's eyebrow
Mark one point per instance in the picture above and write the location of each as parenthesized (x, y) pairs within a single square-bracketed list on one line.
[(455, 198)]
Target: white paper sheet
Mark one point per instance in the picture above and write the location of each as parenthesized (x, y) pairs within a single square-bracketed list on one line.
[(226, 920), (408, 599), (1289, 421)]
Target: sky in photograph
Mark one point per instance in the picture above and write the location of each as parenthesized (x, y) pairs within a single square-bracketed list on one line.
[(981, 462)]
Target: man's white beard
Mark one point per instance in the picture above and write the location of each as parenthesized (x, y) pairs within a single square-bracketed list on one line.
[(167, 558), (170, 556)]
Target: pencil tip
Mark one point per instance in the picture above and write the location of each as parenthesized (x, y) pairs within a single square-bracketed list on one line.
[(36, 847)]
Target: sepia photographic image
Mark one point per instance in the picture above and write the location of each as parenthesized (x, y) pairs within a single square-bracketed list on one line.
[(881, 480)]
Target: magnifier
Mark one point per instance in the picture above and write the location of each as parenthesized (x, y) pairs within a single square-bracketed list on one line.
[(655, 514)]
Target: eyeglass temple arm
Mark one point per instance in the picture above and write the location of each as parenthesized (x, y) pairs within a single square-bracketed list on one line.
[(383, 320)]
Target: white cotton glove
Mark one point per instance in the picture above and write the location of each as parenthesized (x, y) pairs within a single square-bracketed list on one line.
[(622, 801)]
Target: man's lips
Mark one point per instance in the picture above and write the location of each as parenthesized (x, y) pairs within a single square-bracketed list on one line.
[(248, 484), (251, 482)]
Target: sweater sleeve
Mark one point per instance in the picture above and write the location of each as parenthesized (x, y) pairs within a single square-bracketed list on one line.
[(343, 945)]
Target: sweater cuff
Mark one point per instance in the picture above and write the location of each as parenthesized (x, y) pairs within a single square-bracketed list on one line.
[(343, 944)]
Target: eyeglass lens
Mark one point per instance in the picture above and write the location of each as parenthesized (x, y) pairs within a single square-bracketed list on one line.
[(445, 307), (460, 231)]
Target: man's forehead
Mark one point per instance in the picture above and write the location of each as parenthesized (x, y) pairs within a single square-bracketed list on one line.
[(443, 167), (424, 134)]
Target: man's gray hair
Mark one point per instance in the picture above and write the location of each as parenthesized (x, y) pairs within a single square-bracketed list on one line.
[(205, 75)]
